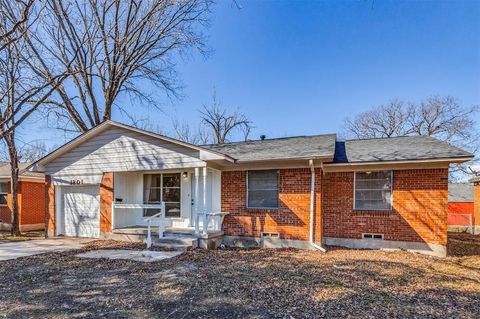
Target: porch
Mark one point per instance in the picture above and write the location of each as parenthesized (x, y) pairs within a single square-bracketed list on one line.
[(167, 205)]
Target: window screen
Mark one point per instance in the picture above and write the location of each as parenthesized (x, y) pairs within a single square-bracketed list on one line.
[(3, 193), (262, 189), (373, 190)]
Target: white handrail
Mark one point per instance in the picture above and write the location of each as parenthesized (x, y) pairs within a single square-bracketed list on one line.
[(161, 224)]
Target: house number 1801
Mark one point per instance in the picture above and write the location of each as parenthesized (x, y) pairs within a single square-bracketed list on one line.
[(76, 182)]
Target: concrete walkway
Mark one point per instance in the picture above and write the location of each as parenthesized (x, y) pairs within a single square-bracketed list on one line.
[(137, 255), (13, 250)]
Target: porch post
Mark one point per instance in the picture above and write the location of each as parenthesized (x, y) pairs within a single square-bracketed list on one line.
[(205, 220), (196, 202)]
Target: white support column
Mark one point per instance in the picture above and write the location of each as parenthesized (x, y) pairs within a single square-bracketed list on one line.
[(205, 219), (196, 202)]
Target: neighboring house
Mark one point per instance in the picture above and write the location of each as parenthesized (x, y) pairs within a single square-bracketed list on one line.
[(460, 207), (31, 198), (301, 191)]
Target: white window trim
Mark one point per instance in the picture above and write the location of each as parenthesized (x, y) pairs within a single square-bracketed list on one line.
[(373, 210), (161, 189), (4, 193), (278, 189)]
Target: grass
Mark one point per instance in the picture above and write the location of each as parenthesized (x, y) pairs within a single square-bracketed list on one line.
[(247, 284), (5, 235)]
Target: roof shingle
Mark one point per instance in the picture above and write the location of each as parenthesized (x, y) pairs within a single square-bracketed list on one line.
[(396, 149), (298, 147)]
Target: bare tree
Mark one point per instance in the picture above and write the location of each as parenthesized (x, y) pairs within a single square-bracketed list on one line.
[(122, 44), (185, 132), (15, 14), (387, 120), (21, 91), (27, 152), (147, 125), (220, 123), (442, 117)]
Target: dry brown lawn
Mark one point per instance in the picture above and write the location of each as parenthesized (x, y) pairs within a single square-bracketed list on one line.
[(247, 284)]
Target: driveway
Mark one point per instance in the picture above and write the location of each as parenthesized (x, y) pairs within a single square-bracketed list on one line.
[(13, 250)]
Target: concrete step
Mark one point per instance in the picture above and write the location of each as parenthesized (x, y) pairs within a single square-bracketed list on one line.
[(169, 241)]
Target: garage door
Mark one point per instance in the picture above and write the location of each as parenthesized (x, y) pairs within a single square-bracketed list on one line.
[(81, 211)]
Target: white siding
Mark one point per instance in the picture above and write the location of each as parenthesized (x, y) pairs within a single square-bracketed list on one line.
[(216, 190), (117, 149), (129, 188)]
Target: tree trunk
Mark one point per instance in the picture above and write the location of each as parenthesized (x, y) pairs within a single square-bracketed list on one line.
[(12, 151)]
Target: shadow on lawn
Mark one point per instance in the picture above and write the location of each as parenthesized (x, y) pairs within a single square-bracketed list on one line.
[(225, 284)]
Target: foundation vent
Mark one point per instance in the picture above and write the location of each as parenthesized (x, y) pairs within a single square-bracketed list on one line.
[(372, 236), (269, 235)]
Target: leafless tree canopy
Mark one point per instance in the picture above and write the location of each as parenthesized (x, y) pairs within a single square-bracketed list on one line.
[(27, 152), (185, 132), (221, 124), (442, 117), (14, 14), (120, 44)]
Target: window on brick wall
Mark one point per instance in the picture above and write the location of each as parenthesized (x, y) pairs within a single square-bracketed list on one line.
[(3, 193), (373, 190), (262, 189)]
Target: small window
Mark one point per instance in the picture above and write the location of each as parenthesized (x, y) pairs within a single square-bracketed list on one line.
[(3, 193), (373, 190), (262, 189)]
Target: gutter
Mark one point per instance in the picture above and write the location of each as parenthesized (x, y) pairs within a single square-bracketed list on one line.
[(312, 206)]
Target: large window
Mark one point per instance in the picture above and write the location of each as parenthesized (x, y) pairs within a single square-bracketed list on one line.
[(262, 189), (162, 187), (3, 193), (373, 190)]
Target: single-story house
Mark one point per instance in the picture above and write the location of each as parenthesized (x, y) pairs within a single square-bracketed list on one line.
[(31, 198), (461, 216), (304, 191)]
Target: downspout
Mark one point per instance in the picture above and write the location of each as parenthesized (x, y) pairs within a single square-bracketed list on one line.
[(312, 206)]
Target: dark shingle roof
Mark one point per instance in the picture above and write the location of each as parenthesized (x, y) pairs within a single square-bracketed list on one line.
[(298, 147), (475, 179), (396, 149), (6, 173), (460, 192)]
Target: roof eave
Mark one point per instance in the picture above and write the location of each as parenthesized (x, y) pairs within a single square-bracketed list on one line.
[(300, 158)]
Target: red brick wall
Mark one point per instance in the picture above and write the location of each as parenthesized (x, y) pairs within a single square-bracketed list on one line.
[(291, 219), (50, 205), (106, 200), (31, 202), (419, 208)]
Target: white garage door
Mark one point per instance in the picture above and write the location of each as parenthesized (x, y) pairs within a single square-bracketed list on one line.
[(81, 211)]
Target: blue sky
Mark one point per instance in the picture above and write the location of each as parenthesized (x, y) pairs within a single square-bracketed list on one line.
[(302, 67)]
